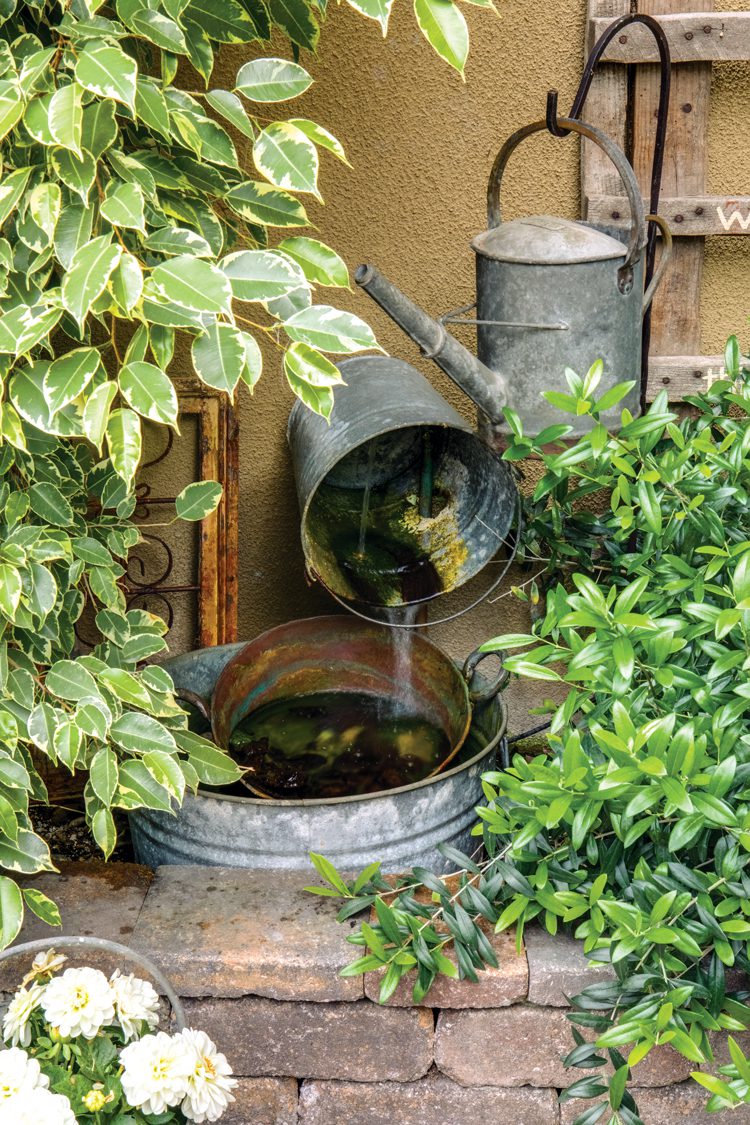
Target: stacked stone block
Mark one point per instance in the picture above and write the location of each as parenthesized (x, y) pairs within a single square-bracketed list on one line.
[(257, 961)]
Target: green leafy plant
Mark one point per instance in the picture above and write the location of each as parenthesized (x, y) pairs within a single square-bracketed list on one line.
[(128, 220), (633, 827)]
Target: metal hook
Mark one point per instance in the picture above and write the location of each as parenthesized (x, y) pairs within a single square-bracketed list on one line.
[(657, 166), (552, 116)]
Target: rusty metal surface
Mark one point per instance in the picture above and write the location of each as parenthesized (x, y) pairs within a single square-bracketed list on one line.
[(149, 581), (325, 654)]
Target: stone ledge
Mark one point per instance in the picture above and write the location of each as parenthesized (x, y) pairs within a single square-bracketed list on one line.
[(523, 1045), (95, 899), (258, 960), (497, 988), (245, 933), (558, 967), (358, 1041), (263, 1101), (433, 1101)]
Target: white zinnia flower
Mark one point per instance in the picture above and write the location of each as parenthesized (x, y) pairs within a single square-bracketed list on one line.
[(135, 1001), (156, 1072), (45, 964), (79, 1002), (38, 1107), (18, 1075), (16, 1020), (210, 1082)]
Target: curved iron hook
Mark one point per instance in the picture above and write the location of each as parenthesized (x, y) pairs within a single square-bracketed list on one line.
[(657, 167)]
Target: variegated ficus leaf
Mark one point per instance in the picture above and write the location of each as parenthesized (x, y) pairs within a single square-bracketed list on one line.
[(127, 219)]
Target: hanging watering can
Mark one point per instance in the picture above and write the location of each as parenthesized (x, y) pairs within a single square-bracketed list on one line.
[(551, 294), (401, 500)]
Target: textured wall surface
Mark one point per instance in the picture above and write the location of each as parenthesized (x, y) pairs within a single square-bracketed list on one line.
[(726, 282), (421, 143)]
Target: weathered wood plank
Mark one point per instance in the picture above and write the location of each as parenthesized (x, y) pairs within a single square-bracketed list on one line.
[(696, 216), (682, 375), (676, 328), (606, 107), (693, 37)]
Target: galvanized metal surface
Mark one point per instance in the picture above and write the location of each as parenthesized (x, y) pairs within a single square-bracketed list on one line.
[(553, 272), (482, 385), (604, 323), (400, 827), (370, 459), (547, 240)]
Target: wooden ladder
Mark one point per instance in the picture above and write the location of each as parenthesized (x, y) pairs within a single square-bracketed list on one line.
[(623, 102)]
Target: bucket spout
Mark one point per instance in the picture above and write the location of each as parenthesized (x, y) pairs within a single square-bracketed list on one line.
[(484, 386)]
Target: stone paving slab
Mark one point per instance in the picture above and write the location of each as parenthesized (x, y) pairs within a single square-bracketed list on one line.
[(433, 1101), (263, 1101), (558, 967), (220, 931), (356, 1041), (497, 988), (95, 899), (523, 1045)]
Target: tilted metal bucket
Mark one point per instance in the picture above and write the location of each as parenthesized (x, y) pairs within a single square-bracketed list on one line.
[(400, 500), (400, 827)]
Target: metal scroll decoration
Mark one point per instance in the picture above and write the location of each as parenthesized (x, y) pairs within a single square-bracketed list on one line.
[(200, 607), (152, 581)]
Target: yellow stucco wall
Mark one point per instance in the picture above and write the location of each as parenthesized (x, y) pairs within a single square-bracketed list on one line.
[(421, 143)]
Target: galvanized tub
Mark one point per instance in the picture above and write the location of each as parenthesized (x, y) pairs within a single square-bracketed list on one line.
[(400, 827)]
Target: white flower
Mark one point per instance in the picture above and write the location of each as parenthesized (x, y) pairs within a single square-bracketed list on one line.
[(45, 964), (156, 1072), (79, 1002), (210, 1082), (135, 1000), (37, 1107), (18, 1074), (16, 1020)]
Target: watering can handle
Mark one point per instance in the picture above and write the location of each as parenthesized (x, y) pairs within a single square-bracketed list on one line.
[(666, 254), (484, 694), (615, 154)]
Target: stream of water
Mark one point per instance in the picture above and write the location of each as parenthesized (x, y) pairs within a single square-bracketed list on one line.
[(366, 500)]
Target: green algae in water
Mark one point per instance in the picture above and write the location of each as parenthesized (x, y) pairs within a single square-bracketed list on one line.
[(335, 744)]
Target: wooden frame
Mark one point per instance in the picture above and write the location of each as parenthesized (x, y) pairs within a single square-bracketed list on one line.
[(625, 108), (216, 586)]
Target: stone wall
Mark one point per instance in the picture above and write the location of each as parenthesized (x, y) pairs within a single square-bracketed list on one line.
[(257, 961)]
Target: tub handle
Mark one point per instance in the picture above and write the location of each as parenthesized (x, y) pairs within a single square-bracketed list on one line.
[(484, 694), (197, 700)]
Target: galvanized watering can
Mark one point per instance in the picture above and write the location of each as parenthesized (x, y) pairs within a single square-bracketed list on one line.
[(401, 501), (551, 294)]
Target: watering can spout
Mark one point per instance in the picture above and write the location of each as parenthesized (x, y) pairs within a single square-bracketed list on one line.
[(485, 387)]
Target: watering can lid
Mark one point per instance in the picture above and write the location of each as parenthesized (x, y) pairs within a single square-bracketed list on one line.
[(547, 240)]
